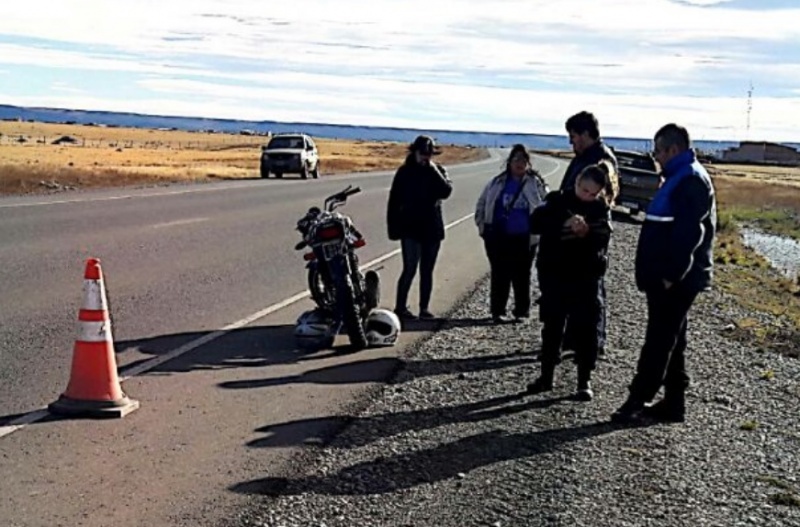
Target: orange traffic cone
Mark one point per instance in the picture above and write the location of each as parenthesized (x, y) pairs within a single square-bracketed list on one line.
[(94, 389)]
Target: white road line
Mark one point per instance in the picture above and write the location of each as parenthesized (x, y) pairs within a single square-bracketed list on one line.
[(179, 222), (556, 169), (122, 196), (20, 422)]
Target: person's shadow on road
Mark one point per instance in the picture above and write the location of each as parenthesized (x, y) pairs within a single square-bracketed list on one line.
[(365, 430), (446, 461), (382, 369)]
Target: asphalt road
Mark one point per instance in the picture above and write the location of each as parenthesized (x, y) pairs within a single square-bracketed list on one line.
[(182, 263)]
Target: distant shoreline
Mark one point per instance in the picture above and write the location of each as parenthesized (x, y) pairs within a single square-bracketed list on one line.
[(334, 131)]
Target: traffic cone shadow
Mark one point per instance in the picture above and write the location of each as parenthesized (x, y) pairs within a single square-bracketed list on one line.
[(94, 388)]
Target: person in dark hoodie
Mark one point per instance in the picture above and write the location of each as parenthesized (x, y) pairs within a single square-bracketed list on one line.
[(674, 264), (414, 217), (584, 136), (575, 229)]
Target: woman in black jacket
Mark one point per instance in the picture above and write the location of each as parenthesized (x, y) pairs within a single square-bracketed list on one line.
[(575, 229), (414, 216)]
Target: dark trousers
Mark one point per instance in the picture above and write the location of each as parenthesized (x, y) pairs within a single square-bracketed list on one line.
[(510, 259), (570, 332), (422, 255), (576, 300), (662, 360)]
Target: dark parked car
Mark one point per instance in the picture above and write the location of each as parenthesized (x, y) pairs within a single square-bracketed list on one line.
[(639, 179)]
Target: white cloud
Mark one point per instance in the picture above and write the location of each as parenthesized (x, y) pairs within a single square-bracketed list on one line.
[(54, 58), (500, 110), (702, 2), (245, 22), (510, 65), (64, 87)]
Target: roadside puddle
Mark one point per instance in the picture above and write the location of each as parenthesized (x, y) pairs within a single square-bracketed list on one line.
[(782, 253)]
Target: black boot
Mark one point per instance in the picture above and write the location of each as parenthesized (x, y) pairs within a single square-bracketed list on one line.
[(670, 409), (584, 392), (630, 413), (544, 383)]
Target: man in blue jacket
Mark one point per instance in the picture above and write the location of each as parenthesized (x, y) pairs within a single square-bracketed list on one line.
[(673, 264)]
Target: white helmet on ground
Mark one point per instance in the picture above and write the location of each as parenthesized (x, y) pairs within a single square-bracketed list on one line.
[(382, 327), (315, 328)]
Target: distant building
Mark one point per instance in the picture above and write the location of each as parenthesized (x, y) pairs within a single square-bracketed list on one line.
[(762, 152)]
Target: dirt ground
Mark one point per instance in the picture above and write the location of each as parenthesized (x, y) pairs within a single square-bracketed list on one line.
[(100, 156)]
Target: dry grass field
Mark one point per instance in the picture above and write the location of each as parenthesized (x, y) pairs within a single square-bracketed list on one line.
[(758, 173), (103, 156), (772, 205)]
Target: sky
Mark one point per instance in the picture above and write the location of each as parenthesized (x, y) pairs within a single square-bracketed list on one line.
[(509, 66)]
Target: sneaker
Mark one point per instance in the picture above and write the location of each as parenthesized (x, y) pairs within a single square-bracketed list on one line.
[(404, 314), (584, 392), (425, 314), (500, 319), (630, 413), (518, 319), (540, 385), (666, 411)]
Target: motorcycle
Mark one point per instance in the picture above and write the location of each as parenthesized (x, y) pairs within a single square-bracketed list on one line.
[(335, 282)]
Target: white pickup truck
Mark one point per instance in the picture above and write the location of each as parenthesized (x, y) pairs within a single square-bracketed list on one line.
[(290, 154)]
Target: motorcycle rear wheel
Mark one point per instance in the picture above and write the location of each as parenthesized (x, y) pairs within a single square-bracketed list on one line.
[(351, 316)]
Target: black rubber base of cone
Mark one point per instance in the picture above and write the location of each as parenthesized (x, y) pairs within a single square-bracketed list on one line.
[(101, 409)]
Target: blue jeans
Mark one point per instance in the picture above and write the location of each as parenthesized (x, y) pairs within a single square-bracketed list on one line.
[(420, 254)]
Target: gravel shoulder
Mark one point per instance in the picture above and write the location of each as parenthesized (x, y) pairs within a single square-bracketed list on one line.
[(450, 440)]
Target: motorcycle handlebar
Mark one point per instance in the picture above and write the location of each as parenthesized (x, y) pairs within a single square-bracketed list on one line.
[(349, 191), (341, 197)]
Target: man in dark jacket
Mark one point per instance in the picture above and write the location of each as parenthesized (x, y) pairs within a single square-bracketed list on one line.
[(673, 264), (414, 217), (584, 136), (589, 148)]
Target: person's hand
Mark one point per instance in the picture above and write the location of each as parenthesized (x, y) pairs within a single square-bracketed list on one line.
[(577, 224)]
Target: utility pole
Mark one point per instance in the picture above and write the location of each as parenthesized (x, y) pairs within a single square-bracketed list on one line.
[(749, 109)]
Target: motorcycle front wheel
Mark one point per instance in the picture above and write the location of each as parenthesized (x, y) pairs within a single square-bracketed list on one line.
[(320, 293)]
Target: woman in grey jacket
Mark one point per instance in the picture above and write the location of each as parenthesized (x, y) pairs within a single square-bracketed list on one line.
[(502, 215)]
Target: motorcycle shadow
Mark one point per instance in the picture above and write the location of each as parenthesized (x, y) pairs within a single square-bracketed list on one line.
[(248, 347)]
